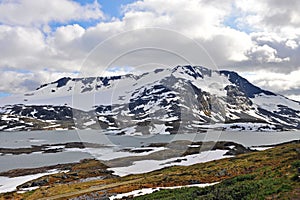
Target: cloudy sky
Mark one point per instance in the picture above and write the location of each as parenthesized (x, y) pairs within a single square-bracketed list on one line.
[(43, 40)]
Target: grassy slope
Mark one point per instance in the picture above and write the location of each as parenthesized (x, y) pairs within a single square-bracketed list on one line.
[(249, 186), (277, 178), (258, 175)]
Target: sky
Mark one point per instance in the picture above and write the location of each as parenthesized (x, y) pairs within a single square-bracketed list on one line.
[(42, 41)]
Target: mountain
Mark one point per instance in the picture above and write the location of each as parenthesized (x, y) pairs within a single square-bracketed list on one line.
[(182, 99)]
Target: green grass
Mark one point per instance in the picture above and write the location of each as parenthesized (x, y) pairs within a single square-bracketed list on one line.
[(242, 187), (263, 183)]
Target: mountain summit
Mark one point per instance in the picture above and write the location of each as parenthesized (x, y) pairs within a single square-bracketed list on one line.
[(165, 101)]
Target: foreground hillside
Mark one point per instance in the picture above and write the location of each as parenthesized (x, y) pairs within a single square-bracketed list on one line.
[(269, 174)]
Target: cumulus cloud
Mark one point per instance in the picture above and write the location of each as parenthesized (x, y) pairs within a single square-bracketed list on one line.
[(241, 35), (265, 54), (34, 13), (270, 14), (286, 84), (17, 82), (292, 44), (28, 48)]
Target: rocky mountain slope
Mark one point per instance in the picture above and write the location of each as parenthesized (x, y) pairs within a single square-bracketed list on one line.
[(182, 99)]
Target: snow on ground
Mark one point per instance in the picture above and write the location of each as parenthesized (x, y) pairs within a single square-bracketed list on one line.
[(144, 166), (144, 191), (160, 129), (270, 103), (15, 128), (214, 84), (129, 130), (247, 126), (10, 184), (260, 148), (194, 145), (49, 99), (23, 190), (9, 118), (55, 147)]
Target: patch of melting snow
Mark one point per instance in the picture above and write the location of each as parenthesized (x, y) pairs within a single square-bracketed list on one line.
[(52, 126), (8, 118), (61, 129), (10, 184), (23, 190), (15, 128), (54, 147), (194, 145), (260, 148), (143, 166), (1, 127), (145, 191)]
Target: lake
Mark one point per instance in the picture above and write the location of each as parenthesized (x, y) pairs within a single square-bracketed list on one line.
[(113, 144)]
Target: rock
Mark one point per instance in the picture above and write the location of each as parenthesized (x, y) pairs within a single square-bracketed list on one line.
[(194, 182), (223, 172), (73, 174), (39, 182)]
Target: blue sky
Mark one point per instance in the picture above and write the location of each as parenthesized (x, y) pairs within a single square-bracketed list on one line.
[(4, 94), (111, 8)]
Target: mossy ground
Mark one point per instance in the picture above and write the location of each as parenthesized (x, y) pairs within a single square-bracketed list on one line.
[(272, 173)]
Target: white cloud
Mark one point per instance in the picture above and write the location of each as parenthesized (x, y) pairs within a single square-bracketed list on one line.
[(33, 13), (265, 54), (286, 84), (195, 18), (270, 14), (20, 82), (68, 33), (28, 48), (16, 39), (292, 44), (263, 34)]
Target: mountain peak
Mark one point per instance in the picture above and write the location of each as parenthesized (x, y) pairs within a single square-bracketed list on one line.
[(185, 98), (194, 71)]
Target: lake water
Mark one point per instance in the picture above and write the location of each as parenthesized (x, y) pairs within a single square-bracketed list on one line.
[(26, 139)]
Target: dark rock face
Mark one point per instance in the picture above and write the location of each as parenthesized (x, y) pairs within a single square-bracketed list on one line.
[(62, 82), (43, 112), (243, 85)]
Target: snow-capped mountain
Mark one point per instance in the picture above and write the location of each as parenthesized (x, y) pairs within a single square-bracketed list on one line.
[(182, 99)]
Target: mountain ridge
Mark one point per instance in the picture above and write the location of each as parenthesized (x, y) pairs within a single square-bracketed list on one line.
[(181, 99)]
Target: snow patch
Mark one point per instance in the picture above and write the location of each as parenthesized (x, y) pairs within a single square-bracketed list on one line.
[(10, 184), (144, 166), (270, 102), (145, 191)]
